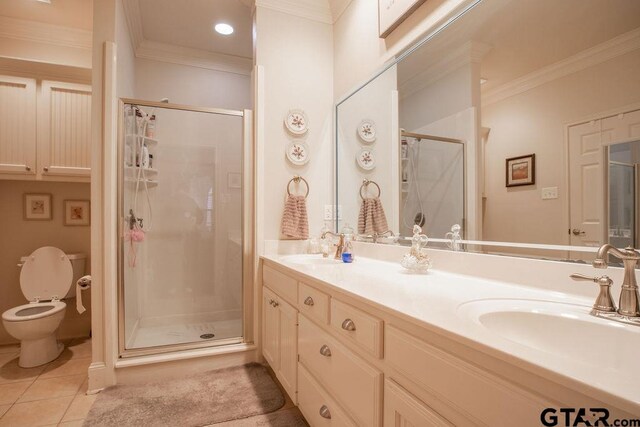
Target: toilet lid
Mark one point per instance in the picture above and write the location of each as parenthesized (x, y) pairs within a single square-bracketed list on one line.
[(46, 273)]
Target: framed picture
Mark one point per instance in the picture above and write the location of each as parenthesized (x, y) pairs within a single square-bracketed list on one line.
[(391, 13), (37, 207), (77, 212), (521, 170)]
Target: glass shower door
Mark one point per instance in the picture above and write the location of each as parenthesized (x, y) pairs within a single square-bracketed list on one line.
[(181, 221)]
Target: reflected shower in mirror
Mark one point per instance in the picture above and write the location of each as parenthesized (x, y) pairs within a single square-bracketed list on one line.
[(552, 83)]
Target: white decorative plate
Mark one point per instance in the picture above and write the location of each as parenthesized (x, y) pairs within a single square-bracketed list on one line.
[(367, 131), (366, 159), (297, 122), (297, 153)]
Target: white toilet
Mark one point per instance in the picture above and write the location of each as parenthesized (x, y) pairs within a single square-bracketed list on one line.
[(48, 275)]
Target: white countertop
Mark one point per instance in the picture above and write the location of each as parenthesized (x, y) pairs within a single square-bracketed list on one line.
[(437, 299)]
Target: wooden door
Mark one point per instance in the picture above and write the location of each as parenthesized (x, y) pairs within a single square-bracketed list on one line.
[(270, 329), (586, 184), (17, 125), (287, 373), (65, 129)]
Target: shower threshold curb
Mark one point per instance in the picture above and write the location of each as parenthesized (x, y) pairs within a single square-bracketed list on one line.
[(184, 355)]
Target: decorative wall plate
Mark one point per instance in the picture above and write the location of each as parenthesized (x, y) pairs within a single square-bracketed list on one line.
[(366, 159), (297, 153), (297, 122), (367, 131)]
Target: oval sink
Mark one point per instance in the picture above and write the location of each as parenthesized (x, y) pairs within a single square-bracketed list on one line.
[(566, 330)]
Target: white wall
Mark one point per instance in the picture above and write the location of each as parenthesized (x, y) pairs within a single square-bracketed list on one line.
[(21, 237), (534, 122), (297, 56)]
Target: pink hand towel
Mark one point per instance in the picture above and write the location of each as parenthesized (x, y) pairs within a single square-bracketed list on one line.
[(295, 223), (372, 218)]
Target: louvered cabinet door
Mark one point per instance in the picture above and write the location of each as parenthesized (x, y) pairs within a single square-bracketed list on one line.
[(65, 130), (17, 125)]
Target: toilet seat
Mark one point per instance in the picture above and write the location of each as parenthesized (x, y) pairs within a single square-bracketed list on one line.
[(46, 275), (33, 311)]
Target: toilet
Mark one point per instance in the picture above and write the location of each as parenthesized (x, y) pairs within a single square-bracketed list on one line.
[(46, 278)]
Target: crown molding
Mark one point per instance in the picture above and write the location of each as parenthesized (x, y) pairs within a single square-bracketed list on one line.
[(20, 29), (595, 55), (164, 52), (314, 10), (338, 7), (469, 53)]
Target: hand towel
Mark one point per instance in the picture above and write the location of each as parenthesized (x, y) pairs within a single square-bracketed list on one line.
[(295, 223), (372, 218)]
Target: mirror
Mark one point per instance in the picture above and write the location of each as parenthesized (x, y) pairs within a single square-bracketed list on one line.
[(519, 120)]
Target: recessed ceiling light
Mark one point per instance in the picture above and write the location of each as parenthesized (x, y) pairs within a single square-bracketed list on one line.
[(224, 29)]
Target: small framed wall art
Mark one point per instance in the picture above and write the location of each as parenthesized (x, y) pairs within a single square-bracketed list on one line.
[(77, 212), (37, 207), (521, 170)]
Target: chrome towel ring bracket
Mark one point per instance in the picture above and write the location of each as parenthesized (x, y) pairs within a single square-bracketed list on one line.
[(296, 179), (365, 186)]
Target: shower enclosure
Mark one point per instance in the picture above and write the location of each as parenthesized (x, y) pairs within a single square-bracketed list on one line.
[(181, 220)]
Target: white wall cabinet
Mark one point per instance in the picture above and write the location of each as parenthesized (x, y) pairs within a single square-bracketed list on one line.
[(45, 130), (17, 126), (280, 340)]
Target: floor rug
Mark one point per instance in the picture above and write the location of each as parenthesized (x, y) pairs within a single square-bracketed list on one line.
[(207, 398)]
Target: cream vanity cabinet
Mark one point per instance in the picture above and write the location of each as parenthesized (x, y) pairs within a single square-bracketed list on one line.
[(45, 130), (358, 363)]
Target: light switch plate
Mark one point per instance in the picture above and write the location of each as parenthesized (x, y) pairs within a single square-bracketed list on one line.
[(549, 193), (328, 212)]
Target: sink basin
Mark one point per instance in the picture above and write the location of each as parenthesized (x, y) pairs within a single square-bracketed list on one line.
[(310, 260), (565, 330)]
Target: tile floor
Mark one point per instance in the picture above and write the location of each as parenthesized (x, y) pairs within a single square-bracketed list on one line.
[(50, 395)]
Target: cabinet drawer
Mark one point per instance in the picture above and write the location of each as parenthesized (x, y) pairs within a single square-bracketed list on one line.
[(473, 392), (358, 326), (281, 284), (313, 401), (401, 409), (313, 303), (355, 384)]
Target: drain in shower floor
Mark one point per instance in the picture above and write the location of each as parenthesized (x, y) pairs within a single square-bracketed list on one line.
[(207, 336)]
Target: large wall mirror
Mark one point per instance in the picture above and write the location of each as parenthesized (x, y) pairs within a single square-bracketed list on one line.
[(519, 121)]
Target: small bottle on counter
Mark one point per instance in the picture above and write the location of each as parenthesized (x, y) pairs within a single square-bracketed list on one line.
[(347, 250)]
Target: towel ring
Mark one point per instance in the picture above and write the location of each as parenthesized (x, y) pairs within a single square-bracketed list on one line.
[(365, 183), (297, 180)]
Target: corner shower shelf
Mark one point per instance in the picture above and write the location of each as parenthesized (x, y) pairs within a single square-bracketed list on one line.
[(145, 138)]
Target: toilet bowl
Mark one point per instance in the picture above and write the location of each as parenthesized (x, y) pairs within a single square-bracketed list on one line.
[(46, 277)]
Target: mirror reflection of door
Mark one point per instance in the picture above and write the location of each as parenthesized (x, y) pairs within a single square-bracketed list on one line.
[(623, 186)]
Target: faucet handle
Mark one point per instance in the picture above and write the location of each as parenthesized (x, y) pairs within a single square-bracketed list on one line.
[(604, 303)]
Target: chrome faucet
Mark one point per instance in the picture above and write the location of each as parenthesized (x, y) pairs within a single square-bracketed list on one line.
[(629, 310), (339, 245)]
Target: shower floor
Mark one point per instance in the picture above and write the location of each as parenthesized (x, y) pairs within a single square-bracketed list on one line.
[(151, 335)]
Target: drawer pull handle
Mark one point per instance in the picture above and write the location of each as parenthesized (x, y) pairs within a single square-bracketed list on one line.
[(324, 412), (271, 301), (308, 301), (46, 169), (325, 351), (348, 325), (28, 168), (276, 303)]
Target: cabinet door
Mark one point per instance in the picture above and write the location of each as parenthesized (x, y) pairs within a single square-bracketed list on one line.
[(17, 125), (287, 374), (402, 409), (270, 329), (65, 129)]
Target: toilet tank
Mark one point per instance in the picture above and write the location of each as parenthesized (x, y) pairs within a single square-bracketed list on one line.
[(78, 263)]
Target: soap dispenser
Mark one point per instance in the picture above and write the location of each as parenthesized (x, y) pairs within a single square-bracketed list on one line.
[(347, 250)]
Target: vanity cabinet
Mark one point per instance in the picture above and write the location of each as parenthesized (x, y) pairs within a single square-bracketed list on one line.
[(280, 339), (45, 130), (402, 409)]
